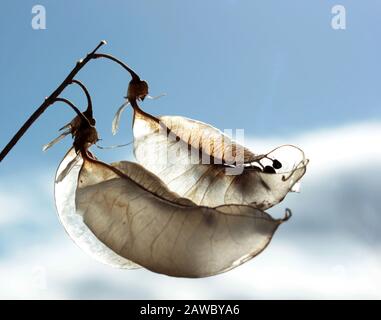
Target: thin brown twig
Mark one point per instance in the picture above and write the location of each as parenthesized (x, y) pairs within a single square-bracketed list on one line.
[(89, 111), (71, 104), (121, 63), (48, 101)]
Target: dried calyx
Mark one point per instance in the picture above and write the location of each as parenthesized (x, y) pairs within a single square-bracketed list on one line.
[(85, 135), (82, 128), (137, 89)]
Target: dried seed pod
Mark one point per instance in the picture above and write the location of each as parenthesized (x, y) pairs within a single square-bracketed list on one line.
[(64, 190), (183, 153), (139, 219)]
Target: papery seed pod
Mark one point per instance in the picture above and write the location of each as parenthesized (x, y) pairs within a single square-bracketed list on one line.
[(133, 213), (64, 190), (183, 153)]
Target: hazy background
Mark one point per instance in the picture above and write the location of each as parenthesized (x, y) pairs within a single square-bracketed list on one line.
[(276, 69)]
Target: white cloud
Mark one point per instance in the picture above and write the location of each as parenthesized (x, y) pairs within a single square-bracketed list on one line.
[(329, 249), (332, 149)]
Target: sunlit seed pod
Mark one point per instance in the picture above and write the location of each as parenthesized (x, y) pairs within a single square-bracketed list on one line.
[(125, 216), (186, 159), (64, 190)]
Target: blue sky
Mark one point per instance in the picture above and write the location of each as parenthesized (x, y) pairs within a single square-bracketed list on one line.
[(274, 68)]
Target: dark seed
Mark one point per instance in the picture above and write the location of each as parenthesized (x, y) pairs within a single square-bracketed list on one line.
[(277, 164), (269, 169)]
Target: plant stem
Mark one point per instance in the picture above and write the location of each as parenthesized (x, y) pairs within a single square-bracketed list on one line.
[(76, 110), (89, 111), (121, 63), (48, 101)]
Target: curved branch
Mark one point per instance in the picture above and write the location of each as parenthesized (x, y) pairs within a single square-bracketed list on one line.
[(71, 104), (89, 110), (121, 63)]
